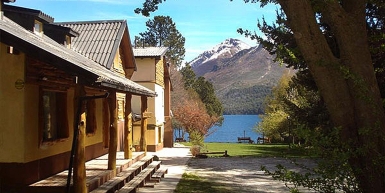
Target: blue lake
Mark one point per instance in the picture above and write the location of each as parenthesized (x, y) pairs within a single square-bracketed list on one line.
[(233, 126)]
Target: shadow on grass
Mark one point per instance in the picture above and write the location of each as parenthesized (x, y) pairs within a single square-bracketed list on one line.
[(196, 184), (276, 150)]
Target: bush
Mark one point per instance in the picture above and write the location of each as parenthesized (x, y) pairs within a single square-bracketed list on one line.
[(195, 150), (196, 138)]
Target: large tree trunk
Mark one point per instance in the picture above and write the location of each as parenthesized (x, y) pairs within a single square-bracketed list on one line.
[(347, 83)]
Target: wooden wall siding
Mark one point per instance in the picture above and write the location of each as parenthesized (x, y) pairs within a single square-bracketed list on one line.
[(48, 76), (159, 73), (118, 63)]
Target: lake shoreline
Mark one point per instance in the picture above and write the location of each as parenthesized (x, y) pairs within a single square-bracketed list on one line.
[(233, 126)]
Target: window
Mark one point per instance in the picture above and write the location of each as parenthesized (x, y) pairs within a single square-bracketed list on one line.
[(90, 117), (38, 27), (68, 41), (54, 122)]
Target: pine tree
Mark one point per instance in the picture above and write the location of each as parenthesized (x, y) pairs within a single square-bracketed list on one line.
[(161, 31), (205, 90)]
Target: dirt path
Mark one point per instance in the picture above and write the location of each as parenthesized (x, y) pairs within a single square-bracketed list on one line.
[(242, 174)]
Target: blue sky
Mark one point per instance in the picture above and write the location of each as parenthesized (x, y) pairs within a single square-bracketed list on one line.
[(204, 23)]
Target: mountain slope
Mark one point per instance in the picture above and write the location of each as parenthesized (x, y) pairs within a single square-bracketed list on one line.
[(225, 49), (243, 80)]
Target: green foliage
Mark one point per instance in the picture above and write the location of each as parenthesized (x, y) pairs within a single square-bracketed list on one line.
[(162, 31), (148, 7), (332, 173), (252, 100), (205, 90), (295, 103), (189, 77), (274, 123), (196, 138), (207, 94), (305, 106)]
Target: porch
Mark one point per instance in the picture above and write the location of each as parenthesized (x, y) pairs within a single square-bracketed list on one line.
[(96, 172)]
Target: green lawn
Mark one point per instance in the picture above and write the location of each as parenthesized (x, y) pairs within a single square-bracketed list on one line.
[(256, 150), (191, 183)]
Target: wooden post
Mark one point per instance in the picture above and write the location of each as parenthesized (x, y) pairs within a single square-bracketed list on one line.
[(143, 126), (79, 175), (106, 123), (128, 128), (113, 133)]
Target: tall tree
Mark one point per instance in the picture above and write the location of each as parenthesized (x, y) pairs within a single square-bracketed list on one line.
[(344, 75), (205, 91), (161, 31), (342, 67), (189, 111), (274, 123)]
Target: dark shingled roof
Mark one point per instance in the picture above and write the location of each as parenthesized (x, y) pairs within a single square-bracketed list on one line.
[(60, 29), (98, 40), (150, 51), (14, 35), (32, 12)]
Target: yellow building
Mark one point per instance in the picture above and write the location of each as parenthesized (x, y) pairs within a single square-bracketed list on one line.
[(153, 73), (49, 93)]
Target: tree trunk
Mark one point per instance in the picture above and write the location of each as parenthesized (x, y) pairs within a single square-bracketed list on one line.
[(347, 83)]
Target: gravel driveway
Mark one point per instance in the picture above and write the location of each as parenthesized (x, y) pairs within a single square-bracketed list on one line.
[(242, 174)]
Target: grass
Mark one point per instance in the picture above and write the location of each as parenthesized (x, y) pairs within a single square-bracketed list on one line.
[(257, 150), (193, 183)]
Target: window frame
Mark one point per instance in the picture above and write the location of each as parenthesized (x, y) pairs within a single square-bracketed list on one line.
[(39, 30), (61, 114), (91, 124)]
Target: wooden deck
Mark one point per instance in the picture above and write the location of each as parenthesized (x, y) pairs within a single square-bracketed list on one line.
[(96, 172)]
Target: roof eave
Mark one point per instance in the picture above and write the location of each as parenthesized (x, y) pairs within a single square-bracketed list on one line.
[(27, 42), (127, 89)]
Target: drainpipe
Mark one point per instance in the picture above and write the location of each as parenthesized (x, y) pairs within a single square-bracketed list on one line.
[(75, 136)]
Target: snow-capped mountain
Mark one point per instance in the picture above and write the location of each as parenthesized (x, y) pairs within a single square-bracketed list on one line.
[(226, 49), (242, 76)]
